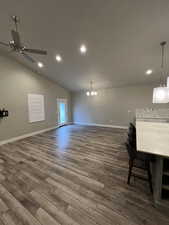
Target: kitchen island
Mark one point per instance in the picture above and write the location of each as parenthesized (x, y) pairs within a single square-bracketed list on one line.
[(153, 138)]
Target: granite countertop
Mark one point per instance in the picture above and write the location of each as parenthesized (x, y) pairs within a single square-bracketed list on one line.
[(153, 115), (157, 119)]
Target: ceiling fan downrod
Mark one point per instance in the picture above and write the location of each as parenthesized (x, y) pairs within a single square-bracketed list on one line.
[(16, 20)]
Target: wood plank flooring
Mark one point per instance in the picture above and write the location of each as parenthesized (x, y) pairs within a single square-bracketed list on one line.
[(74, 175)]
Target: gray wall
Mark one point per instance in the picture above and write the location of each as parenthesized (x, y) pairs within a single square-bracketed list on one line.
[(115, 106), (16, 81)]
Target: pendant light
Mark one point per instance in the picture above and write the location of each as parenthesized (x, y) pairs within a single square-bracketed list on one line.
[(161, 93), (168, 82), (91, 91)]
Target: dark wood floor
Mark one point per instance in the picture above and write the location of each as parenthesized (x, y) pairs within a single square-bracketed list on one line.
[(72, 175)]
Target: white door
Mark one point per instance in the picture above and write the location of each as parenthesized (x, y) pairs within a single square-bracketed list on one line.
[(62, 111)]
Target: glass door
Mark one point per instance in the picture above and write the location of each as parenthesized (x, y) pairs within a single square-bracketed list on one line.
[(62, 111)]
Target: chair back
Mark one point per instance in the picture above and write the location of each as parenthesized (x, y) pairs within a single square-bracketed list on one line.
[(131, 151), (131, 142)]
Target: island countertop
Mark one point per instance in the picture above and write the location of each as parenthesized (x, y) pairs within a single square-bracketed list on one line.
[(153, 136), (156, 120)]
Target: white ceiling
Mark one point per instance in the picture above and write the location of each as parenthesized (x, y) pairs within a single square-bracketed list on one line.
[(122, 37)]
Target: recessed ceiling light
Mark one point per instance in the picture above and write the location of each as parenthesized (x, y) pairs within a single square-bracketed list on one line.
[(40, 64), (148, 72), (83, 49), (58, 58)]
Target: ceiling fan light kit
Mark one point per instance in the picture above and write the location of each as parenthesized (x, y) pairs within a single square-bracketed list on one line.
[(16, 45)]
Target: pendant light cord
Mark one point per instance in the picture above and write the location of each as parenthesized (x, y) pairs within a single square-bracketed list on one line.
[(162, 79), (91, 85)]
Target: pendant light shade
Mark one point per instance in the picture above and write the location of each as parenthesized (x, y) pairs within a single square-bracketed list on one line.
[(161, 93), (168, 82)]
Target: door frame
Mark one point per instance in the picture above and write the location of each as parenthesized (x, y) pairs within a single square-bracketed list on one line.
[(58, 113)]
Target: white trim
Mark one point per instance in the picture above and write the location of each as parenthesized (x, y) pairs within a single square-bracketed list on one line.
[(65, 124), (101, 125), (27, 135), (30, 134)]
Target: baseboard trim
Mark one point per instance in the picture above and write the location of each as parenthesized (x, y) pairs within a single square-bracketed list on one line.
[(65, 124), (101, 125), (31, 134), (26, 135)]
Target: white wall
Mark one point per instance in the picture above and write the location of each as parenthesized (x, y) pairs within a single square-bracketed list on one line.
[(115, 106), (16, 81)]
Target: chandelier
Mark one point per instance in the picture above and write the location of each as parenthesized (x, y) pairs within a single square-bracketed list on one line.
[(91, 91)]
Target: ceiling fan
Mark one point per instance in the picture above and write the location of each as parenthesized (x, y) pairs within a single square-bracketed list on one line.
[(16, 45)]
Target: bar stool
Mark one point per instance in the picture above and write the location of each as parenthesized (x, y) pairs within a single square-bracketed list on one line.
[(137, 159)]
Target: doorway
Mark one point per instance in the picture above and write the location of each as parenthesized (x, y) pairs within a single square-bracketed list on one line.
[(62, 111)]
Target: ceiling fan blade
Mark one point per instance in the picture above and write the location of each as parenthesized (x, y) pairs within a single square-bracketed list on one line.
[(35, 51), (28, 57), (16, 38), (5, 44)]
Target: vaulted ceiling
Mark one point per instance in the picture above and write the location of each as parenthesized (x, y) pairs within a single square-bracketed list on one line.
[(122, 38)]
